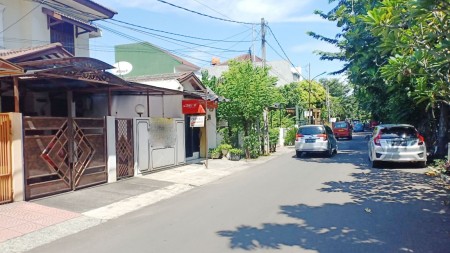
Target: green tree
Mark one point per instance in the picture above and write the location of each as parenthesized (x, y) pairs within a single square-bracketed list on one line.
[(250, 90), (416, 34)]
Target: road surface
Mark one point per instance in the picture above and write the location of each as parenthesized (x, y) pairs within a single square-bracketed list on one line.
[(311, 204)]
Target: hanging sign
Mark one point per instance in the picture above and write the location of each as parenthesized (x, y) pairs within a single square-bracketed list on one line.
[(197, 121)]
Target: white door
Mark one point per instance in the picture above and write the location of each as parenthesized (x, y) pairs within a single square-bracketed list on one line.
[(181, 152), (142, 150)]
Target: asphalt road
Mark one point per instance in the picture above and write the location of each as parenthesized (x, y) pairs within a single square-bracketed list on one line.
[(311, 204)]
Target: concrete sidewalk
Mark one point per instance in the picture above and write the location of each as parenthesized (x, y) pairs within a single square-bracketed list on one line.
[(26, 225)]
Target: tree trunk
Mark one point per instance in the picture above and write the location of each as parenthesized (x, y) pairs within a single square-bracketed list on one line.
[(247, 151), (442, 130)]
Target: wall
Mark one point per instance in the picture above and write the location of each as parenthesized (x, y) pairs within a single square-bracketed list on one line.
[(17, 157), (145, 59), (32, 29), (165, 107)]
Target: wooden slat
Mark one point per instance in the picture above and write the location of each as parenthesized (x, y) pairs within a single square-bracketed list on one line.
[(6, 192)]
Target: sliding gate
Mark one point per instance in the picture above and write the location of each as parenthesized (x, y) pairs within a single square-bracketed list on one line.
[(63, 154)]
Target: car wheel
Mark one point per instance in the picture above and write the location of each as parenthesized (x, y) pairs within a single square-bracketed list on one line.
[(375, 164), (422, 164), (298, 154), (329, 152)]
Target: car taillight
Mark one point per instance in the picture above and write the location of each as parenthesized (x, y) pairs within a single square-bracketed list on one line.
[(324, 136), (376, 140), (297, 136), (421, 139)]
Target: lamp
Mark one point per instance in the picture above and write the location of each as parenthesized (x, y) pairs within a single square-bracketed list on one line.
[(140, 109)]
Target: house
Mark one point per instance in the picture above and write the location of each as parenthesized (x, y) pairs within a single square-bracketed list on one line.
[(27, 23), (149, 64), (281, 69), (141, 59)]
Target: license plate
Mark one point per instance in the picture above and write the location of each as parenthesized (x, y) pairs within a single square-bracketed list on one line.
[(340, 130), (398, 143), (310, 140)]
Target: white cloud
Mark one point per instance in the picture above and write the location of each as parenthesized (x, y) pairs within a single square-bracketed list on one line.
[(242, 10)]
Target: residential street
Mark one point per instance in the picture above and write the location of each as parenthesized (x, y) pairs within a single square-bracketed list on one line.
[(311, 204)]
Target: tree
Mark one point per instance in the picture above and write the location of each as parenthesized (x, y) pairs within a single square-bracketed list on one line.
[(250, 90), (416, 34)]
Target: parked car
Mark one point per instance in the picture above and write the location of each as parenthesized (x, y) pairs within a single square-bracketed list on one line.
[(359, 127), (315, 138), (343, 129), (397, 143)]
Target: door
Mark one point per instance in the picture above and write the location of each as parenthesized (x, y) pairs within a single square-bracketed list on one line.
[(181, 154), (124, 148), (143, 149)]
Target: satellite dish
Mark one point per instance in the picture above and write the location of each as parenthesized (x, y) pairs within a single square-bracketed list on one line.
[(122, 68)]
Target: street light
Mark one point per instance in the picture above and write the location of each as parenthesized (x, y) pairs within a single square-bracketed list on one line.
[(309, 93)]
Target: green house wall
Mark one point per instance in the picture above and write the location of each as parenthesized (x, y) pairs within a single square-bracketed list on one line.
[(146, 59)]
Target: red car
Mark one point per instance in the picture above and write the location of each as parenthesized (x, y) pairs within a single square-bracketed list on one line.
[(343, 129)]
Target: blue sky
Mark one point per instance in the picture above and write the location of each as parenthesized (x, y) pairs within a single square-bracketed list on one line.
[(288, 19)]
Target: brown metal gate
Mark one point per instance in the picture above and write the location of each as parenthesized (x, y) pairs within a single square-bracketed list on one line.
[(6, 193), (124, 148), (63, 154)]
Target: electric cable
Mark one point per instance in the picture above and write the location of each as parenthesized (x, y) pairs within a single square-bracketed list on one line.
[(206, 15), (20, 19)]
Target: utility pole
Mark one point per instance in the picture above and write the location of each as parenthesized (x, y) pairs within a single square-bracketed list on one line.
[(265, 113), (309, 95)]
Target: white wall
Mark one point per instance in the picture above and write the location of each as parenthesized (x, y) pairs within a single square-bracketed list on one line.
[(32, 29), (17, 157), (163, 107)]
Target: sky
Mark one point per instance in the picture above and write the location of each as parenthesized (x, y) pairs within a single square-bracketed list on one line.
[(289, 21)]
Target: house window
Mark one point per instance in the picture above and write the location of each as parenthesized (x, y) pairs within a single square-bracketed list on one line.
[(63, 33)]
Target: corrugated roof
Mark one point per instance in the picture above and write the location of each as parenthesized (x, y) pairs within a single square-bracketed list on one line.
[(55, 49), (160, 77)]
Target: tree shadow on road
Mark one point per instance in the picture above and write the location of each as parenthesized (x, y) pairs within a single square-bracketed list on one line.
[(393, 211)]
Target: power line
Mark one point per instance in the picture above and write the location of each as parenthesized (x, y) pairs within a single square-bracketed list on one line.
[(182, 41), (206, 15), (139, 40), (282, 50), (171, 33)]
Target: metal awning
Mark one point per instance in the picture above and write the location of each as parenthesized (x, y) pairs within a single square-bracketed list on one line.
[(55, 18)]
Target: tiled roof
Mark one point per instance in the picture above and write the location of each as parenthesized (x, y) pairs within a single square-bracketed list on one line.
[(160, 77), (12, 54)]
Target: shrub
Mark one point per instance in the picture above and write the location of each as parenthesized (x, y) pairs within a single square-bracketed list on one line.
[(289, 140), (252, 145), (236, 151), (224, 146)]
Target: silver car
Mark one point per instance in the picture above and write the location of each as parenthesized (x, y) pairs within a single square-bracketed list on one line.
[(396, 143), (315, 138)]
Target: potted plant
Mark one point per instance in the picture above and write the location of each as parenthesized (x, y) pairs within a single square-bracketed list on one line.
[(215, 153), (224, 148), (235, 154)]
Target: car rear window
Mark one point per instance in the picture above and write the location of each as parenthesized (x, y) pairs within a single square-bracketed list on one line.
[(398, 132), (340, 125), (310, 130)]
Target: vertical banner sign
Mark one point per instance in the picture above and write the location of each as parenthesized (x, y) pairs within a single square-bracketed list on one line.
[(197, 121)]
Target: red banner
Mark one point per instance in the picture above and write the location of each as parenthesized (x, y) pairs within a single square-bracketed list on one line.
[(196, 106)]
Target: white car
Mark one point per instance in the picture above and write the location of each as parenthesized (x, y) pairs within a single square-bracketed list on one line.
[(397, 143), (315, 138)]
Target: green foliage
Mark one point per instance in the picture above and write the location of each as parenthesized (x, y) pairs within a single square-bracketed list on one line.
[(289, 139), (250, 90), (224, 146), (236, 151), (252, 145), (274, 134), (215, 152)]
